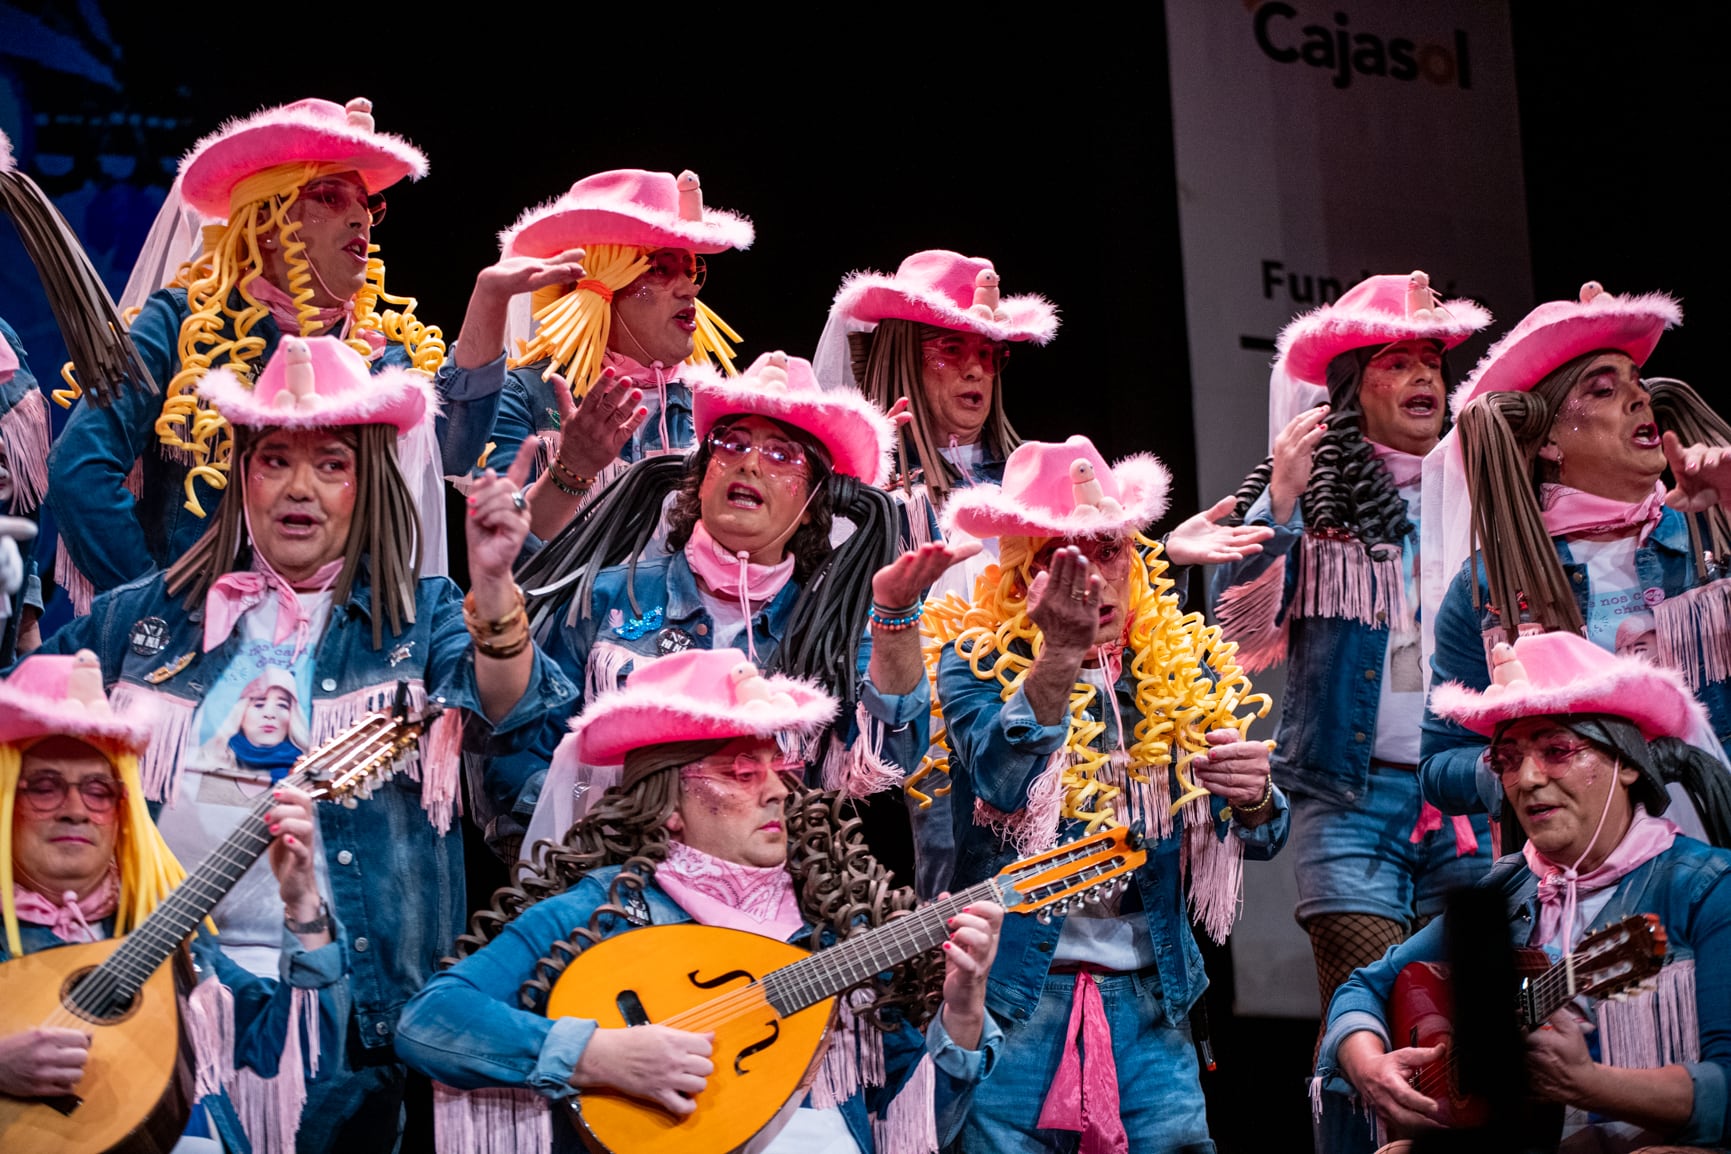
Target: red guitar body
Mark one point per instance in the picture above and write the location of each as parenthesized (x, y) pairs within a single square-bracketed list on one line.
[(1421, 1013)]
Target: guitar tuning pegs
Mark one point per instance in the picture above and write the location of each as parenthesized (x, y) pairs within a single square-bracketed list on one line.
[(1044, 917), (1096, 896), (349, 802)]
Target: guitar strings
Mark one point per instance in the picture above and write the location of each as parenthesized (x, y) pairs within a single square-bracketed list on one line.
[(124, 972)]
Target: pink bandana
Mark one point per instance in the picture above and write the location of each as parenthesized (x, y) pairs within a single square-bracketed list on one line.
[(1648, 837), (735, 575), (1084, 1092), (234, 594), (1430, 820), (1405, 468), (70, 920), (288, 318), (1568, 511), (759, 900)]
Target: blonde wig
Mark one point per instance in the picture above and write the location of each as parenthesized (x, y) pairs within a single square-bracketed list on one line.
[(148, 869), (575, 321)]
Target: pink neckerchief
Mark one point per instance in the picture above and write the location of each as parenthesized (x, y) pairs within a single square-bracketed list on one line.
[(1430, 819), (1646, 839), (335, 321), (8, 360), (624, 365), (1567, 511), (1083, 1095), (1405, 468), (759, 900), (234, 594), (735, 575), (70, 920)]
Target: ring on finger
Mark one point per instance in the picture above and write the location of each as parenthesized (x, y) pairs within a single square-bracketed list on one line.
[(520, 500)]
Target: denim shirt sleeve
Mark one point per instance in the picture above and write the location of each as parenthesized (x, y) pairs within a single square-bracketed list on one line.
[(1231, 573), (1454, 774), (906, 717), (1262, 842), (1710, 937), (513, 422), (1361, 1001), (1002, 743), (466, 1028), (264, 1009), (95, 452), (959, 1071), (104, 629), (470, 402), (511, 745)]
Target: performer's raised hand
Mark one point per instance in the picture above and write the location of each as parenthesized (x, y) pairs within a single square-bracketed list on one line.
[(1064, 601), (1294, 449), (1203, 540), (498, 525), (896, 666), (482, 337), (1702, 474), (655, 1063), (968, 956), (591, 434)]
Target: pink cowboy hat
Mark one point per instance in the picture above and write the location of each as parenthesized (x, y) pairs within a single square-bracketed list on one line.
[(1557, 332), (305, 131), (697, 695), (855, 432), (628, 206), (1562, 673), (1063, 490), (1378, 310), (320, 383), (60, 695), (947, 289)]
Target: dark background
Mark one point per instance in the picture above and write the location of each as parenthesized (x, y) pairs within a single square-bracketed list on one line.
[(1046, 148)]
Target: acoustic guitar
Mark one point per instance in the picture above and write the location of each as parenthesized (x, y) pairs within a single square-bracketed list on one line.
[(136, 1092), (771, 1004), (1607, 963)]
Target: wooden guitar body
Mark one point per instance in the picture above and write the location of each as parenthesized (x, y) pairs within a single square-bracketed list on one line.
[(138, 1082), (655, 973)]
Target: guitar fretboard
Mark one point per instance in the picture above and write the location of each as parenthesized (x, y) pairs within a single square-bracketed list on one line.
[(854, 960)]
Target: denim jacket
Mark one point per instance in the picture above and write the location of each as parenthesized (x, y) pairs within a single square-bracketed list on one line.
[(997, 750), (1453, 774), (1334, 677), (673, 617), (112, 536), (1688, 887), (397, 883), (528, 408), (467, 1029)]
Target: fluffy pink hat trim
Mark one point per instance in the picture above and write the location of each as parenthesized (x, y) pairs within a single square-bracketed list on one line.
[(943, 288), (1561, 673), (856, 432), (6, 161), (697, 695), (50, 695), (1063, 490), (1379, 310), (1557, 332), (320, 383), (628, 206), (305, 131)]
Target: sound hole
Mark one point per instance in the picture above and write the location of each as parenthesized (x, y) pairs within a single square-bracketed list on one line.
[(104, 1003), (631, 1008), (762, 1043)]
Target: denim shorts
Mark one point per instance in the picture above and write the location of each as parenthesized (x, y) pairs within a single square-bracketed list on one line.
[(1362, 859), (1160, 1096)]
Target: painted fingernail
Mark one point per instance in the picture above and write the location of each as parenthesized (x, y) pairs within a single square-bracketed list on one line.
[(290, 839), (947, 945), (273, 829), (950, 922)]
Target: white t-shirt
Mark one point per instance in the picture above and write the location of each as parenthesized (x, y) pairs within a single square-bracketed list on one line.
[(264, 695), (1614, 589), (1400, 694)]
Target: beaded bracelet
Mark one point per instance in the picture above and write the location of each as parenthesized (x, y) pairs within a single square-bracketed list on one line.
[(892, 620), (576, 486)]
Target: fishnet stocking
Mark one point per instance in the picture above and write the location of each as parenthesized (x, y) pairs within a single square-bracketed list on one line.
[(1344, 942)]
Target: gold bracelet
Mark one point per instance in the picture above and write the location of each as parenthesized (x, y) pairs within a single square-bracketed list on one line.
[(1267, 796), (487, 634)]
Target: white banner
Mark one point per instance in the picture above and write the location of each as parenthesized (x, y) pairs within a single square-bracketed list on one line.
[(1316, 144)]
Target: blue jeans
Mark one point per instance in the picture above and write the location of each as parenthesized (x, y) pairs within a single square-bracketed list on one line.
[(1160, 1096), (1361, 860)]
